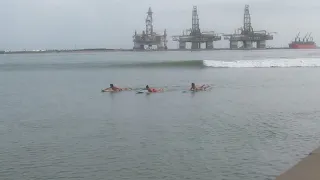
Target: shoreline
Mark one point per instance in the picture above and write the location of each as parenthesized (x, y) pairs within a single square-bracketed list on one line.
[(307, 168)]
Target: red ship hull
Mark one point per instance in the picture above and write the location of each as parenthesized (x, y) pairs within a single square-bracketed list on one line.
[(302, 46)]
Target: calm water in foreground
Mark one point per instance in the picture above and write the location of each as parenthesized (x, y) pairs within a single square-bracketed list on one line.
[(255, 123)]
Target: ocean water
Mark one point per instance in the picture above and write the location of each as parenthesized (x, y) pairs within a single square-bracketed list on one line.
[(259, 119)]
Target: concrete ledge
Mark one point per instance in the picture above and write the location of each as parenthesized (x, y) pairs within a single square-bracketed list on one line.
[(307, 169)]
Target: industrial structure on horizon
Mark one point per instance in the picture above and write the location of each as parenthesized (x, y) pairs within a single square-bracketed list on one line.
[(245, 37), (148, 37), (195, 36)]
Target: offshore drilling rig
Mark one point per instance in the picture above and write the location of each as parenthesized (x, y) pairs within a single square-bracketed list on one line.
[(195, 36), (246, 36), (148, 37)]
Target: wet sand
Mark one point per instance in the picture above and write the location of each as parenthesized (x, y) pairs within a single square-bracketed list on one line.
[(307, 169)]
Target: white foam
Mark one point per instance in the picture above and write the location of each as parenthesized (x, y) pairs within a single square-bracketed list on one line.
[(266, 63)]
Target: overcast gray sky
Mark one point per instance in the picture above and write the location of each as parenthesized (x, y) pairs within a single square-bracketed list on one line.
[(40, 24)]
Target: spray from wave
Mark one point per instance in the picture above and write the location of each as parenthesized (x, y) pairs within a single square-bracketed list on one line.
[(262, 63)]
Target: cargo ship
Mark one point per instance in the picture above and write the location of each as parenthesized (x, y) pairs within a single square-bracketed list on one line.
[(306, 42)]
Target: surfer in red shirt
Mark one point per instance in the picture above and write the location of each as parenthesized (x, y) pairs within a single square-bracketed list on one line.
[(153, 89)]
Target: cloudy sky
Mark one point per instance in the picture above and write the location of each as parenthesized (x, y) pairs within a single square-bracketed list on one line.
[(40, 24)]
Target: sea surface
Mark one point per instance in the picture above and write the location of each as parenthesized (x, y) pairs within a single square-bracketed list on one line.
[(259, 119)]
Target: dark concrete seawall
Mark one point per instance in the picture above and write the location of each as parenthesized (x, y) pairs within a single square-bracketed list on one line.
[(307, 169)]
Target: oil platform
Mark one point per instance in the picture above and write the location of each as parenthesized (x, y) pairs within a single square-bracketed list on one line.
[(148, 37), (245, 37), (195, 36)]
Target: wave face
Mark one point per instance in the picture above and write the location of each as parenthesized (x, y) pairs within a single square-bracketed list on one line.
[(164, 64), (263, 63), (267, 63)]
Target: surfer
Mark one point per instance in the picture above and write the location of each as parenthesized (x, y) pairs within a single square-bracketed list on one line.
[(198, 88), (153, 89), (115, 88)]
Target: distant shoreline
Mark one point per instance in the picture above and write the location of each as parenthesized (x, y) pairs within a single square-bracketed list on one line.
[(121, 50)]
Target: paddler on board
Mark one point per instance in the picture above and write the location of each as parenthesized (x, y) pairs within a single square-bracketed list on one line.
[(153, 89), (198, 88), (115, 89)]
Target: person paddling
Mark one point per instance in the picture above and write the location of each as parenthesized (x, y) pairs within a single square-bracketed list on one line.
[(153, 89), (115, 88), (195, 88)]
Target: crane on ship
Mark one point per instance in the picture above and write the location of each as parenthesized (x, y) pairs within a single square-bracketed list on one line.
[(308, 37), (297, 37), (305, 37)]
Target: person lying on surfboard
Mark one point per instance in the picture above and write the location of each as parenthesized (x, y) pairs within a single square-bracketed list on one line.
[(115, 88), (198, 88), (153, 89)]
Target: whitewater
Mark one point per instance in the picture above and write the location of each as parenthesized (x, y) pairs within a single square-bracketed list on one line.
[(181, 64), (216, 63), (266, 63)]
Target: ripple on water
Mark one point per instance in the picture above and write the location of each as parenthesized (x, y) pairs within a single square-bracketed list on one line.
[(248, 127)]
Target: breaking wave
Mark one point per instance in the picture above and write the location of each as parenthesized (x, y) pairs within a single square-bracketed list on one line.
[(263, 63), (268, 63)]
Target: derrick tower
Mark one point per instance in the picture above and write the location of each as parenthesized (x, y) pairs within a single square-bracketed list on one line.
[(148, 37), (245, 37), (247, 28), (195, 36), (195, 30), (149, 23)]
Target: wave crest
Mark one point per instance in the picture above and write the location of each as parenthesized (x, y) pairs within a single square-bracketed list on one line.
[(162, 64), (266, 63), (269, 63)]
